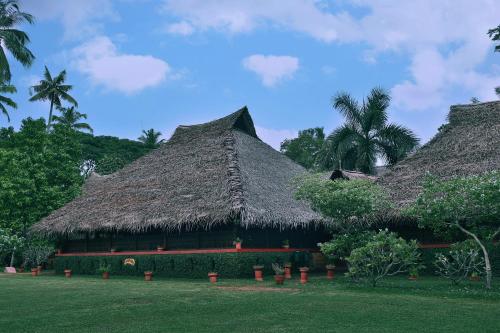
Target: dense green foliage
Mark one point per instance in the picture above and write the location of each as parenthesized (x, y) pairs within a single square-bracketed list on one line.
[(108, 153), (351, 205), (341, 246), (9, 244), (89, 304), (385, 254), (36, 255), (469, 204), (186, 265), (39, 172), (366, 135), (12, 39), (305, 149), (70, 117), (460, 262)]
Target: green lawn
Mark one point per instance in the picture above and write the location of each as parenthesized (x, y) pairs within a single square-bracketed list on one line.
[(52, 303)]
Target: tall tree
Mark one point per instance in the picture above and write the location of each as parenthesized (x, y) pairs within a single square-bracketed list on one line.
[(70, 117), (5, 101), (494, 34), (367, 134), (150, 138), (11, 39), (304, 149), (53, 90)]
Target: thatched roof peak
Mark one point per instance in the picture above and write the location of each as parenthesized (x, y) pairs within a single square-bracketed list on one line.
[(350, 174), (210, 174), (469, 144)]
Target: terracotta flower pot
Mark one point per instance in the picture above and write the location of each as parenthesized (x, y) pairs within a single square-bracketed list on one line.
[(213, 277), (330, 273), (412, 277), (279, 279), (237, 245), (68, 273), (105, 275), (148, 276), (34, 272), (258, 273), (304, 274), (288, 271), (39, 268)]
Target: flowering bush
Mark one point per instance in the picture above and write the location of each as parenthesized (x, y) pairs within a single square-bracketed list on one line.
[(461, 261), (385, 254), (341, 246)]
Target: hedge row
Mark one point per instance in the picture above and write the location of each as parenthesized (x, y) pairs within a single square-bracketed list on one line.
[(230, 265)]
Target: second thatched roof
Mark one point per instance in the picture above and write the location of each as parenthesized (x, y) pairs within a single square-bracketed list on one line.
[(468, 145), (210, 174)]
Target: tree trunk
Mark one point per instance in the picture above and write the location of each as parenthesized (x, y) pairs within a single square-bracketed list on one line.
[(49, 121), (487, 264), (12, 257)]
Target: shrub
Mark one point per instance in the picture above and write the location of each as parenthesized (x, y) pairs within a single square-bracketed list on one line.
[(37, 255), (463, 260), (341, 246), (385, 254), (229, 265)]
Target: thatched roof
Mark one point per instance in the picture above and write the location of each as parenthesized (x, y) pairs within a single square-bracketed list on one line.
[(348, 175), (210, 174), (469, 144)]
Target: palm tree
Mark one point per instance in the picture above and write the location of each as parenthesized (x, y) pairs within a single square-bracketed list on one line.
[(7, 88), (53, 90), (366, 134), (70, 117), (150, 138), (12, 39)]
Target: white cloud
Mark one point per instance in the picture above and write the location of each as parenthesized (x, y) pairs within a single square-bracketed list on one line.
[(100, 60), (424, 30), (271, 69), (180, 28), (80, 18), (274, 137)]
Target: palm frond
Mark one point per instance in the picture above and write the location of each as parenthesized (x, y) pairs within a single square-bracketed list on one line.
[(396, 142), (348, 107), (375, 110)]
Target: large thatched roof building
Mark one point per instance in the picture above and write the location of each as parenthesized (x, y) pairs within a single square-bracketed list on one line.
[(468, 145), (208, 184)]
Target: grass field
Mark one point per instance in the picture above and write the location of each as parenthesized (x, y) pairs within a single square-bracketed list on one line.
[(52, 303)]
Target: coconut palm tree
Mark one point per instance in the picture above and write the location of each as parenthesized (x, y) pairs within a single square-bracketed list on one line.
[(70, 117), (367, 134), (150, 138), (53, 90), (11, 39), (5, 101)]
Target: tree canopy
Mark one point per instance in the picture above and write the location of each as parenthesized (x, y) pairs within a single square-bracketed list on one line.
[(150, 138), (366, 134), (305, 148)]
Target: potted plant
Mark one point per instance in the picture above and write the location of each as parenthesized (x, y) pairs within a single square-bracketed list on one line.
[(288, 270), (475, 277), (237, 243), (286, 244), (113, 250), (330, 271), (304, 274), (413, 272), (67, 273), (213, 277), (160, 248), (34, 271), (148, 276), (258, 272), (39, 268), (104, 270), (20, 269), (279, 273)]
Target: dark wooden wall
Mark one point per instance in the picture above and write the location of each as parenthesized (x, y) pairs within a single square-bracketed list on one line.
[(221, 237)]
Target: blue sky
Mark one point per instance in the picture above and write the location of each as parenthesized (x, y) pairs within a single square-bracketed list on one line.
[(141, 64)]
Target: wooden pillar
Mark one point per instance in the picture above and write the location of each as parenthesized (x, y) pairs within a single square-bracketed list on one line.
[(110, 240), (86, 242), (136, 240), (198, 239), (165, 240), (268, 245)]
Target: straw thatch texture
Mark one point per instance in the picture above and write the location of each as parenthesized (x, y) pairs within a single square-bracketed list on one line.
[(469, 144), (205, 175)]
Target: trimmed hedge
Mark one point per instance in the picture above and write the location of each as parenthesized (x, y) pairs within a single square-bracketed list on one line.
[(228, 265)]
